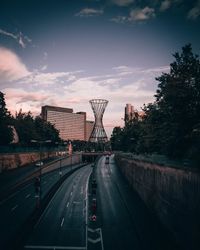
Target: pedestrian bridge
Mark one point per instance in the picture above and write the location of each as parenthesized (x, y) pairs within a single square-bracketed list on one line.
[(92, 156)]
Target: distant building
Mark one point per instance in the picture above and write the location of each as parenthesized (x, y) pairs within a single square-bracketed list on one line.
[(89, 128), (71, 126), (129, 113)]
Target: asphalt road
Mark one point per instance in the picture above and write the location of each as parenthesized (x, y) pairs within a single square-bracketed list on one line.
[(16, 208), (63, 223), (124, 223)]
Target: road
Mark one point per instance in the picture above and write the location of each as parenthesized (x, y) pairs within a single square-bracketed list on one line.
[(16, 208), (123, 221), (63, 223)]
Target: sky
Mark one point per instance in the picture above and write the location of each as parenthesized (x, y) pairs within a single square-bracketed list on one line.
[(67, 52)]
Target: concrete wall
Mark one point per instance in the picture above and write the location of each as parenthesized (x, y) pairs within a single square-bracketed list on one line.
[(172, 194), (14, 160)]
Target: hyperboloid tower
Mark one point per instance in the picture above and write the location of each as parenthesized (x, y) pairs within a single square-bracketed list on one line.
[(98, 133)]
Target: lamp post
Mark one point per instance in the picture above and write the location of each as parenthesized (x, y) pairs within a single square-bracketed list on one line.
[(38, 182), (70, 150), (60, 164)]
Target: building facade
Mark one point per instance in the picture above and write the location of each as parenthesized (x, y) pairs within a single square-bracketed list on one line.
[(129, 113), (71, 126), (89, 128)]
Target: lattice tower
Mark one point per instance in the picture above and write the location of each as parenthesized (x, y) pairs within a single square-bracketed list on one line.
[(98, 133)]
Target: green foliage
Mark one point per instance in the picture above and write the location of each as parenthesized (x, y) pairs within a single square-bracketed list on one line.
[(30, 128), (116, 138), (6, 134), (171, 125)]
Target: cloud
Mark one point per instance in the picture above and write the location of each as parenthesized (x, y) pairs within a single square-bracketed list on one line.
[(38, 78), (124, 84), (122, 2), (119, 19), (20, 38), (136, 15), (194, 13), (44, 67), (139, 14), (11, 67), (18, 98), (88, 12), (166, 4)]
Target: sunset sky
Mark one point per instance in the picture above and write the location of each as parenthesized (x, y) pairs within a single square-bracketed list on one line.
[(65, 53)]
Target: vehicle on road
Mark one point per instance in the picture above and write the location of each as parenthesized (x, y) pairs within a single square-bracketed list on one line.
[(107, 160), (39, 163)]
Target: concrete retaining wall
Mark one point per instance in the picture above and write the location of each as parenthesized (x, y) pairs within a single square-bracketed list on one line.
[(14, 160), (172, 194)]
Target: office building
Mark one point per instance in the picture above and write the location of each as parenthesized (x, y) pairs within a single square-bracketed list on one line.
[(71, 126), (129, 113), (89, 128)]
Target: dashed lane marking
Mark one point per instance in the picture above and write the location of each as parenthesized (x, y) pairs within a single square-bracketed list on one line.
[(27, 196), (63, 219), (55, 247), (94, 241), (14, 208)]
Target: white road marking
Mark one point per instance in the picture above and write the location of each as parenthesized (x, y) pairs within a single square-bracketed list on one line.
[(94, 230), (14, 208), (71, 193), (102, 246), (67, 204), (28, 195), (54, 247), (94, 241), (86, 209), (63, 219), (76, 202)]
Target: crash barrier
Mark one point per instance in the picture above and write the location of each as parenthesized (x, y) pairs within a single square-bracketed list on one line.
[(172, 194)]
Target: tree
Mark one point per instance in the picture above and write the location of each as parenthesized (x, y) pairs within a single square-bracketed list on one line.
[(6, 134), (30, 128), (45, 130), (24, 124), (178, 100), (171, 125), (116, 138)]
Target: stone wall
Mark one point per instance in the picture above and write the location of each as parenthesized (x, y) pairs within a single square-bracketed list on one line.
[(172, 194), (14, 160)]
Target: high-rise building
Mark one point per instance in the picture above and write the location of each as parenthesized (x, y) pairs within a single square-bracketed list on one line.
[(89, 128), (129, 113), (71, 126)]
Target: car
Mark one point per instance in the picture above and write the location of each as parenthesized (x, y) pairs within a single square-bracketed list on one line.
[(39, 164), (107, 160), (94, 206)]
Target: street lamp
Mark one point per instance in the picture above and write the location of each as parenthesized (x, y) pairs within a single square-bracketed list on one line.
[(60, 165), (39, 182), (70, 150)]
